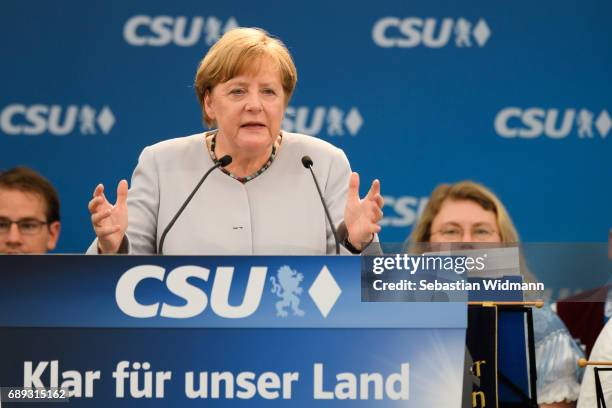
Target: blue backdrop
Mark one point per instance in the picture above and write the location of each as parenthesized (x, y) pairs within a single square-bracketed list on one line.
[(515, 95)]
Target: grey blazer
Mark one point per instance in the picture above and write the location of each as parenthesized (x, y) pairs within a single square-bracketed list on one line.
[(277, 213)]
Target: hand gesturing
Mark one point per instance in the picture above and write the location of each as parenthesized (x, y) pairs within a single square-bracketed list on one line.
[(361, 216), (109, 221)]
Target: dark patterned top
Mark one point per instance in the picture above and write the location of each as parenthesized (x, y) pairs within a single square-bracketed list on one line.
[(243, 180)]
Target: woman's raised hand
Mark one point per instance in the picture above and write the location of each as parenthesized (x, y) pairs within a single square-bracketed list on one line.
[(362, 216), (109, 221)]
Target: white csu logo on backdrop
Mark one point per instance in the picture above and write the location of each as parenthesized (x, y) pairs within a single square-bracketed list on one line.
[(411, 32), (554, 123), (158, 31), (17, 119), (407, 210), (333, 121), (324, 292)]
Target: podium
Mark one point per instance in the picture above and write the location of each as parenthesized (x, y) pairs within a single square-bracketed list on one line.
[(222, 331)]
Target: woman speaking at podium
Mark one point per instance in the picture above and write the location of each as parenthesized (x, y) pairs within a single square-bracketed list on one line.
[(260, 197)]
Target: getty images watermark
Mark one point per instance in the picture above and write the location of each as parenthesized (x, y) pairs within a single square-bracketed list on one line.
[(480, 274)]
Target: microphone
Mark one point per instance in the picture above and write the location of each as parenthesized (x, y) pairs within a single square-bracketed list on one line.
[(222, 162), (307, 162)]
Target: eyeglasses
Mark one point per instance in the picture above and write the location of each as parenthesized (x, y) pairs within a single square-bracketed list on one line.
[(26, 226), (455, 234)]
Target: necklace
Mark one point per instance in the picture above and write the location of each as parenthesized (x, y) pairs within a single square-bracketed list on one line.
[(250, 177)]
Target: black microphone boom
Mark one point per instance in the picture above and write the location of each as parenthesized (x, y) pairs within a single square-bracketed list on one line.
[(222, 162), (307, 162)]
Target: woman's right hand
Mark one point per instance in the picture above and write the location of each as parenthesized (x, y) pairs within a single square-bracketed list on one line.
[(109, 221)]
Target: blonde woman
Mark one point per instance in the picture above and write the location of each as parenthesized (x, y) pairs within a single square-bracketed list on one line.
[(264, 201), (470, 212)]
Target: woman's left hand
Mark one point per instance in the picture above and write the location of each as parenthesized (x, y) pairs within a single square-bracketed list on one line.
[(361, 216)]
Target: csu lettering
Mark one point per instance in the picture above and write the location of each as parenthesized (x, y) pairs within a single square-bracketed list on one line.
[(142, 30), (533, 122), (407, 208), (18, 119), (332, 120), (196, 299), (411, 32)]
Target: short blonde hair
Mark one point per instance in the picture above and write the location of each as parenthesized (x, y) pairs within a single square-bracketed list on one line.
[(234, 54), (464, 190)]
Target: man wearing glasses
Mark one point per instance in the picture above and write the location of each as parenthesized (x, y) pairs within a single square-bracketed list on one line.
[(29, 213)]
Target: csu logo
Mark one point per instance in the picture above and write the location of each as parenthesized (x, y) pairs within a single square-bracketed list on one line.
[(17, 119), (324, 292), (554, 123), (195, 298), (333, 120), (411, 32), (183, 31), (407, 210)]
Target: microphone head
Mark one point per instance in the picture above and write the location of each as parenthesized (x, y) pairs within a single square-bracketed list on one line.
[(306, 161), (225, 160)]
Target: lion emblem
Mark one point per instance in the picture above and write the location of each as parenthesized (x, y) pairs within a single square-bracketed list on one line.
[(287, 288)]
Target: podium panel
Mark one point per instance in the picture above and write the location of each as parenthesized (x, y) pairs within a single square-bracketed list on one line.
[(222, 331)]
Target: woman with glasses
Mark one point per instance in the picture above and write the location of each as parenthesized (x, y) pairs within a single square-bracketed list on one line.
[(468, 212)]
